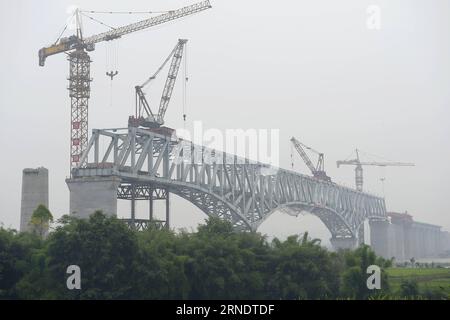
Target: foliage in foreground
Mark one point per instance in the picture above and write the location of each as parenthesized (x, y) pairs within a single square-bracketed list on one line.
[(40, 220), (213, 263)]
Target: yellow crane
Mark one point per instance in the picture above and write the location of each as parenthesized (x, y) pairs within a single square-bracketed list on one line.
[(77, 47)]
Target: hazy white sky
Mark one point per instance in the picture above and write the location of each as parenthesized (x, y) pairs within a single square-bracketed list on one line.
[(309, 68)]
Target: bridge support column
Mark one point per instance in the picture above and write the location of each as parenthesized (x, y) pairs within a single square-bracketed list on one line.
[(150, 208), (379, 237), (88, 194), (167, 210), (343, 243), (361, 234), (133, 205)]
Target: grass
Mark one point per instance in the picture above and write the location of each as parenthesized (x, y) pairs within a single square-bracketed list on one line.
[(427, 279)]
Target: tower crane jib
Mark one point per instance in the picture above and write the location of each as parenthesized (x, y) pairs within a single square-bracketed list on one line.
[(359, 179)]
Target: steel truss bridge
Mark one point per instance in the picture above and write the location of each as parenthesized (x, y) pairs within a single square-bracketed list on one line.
[(244, 192)]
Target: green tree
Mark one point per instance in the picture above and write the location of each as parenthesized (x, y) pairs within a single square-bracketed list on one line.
[(16, 251), (40, 220), (307, 241), (354, 276), (215, 262), (409, 288), (160, 266), (106, 251), (301, 269), (224, 264)]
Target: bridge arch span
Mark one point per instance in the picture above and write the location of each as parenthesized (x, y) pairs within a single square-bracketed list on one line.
[(332, 220), (220, 184)]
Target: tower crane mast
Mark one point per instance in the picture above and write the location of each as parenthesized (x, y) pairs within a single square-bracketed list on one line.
[(77, 46)]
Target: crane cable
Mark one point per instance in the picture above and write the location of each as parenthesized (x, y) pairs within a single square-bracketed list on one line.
[(114, 71), (374, 156), (111, 58), (350, 155), (292, 156), (84, 13), (98, 21), (185, 80), (111, 62), (111, 50), (64, 29)]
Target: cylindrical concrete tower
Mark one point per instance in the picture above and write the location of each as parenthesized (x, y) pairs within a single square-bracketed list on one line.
[(34, 193)]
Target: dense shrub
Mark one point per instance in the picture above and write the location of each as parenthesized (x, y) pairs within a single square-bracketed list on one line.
[(213, 263)]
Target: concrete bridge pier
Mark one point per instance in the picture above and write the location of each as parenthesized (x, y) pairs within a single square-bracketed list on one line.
[(379, 237), (361, 234), (34, 193), (344, 243), (88, 194)]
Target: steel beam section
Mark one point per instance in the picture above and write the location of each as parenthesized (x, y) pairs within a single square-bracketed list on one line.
[(235, 189)]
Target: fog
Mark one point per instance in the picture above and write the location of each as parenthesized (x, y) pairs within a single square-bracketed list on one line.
[(312, 69)]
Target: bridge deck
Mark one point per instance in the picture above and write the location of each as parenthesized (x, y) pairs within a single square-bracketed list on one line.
[(242, 191)]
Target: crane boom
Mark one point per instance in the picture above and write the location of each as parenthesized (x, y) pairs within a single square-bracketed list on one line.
[(170, 81), (153, 76), (142, 104), (317, 171), (74, 42), (298, 146), (163, 18)]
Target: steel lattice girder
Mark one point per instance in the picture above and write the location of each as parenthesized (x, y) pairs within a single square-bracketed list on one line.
[(144, 224), (141, 192), (79, 92), (238, 190)]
